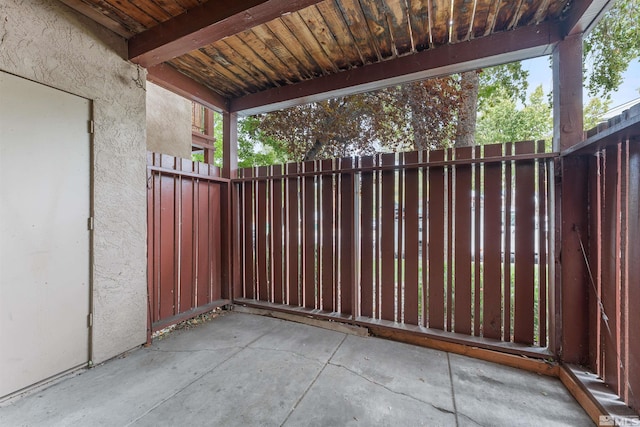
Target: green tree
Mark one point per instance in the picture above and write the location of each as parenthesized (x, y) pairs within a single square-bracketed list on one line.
[(503, 121), (594, 110), (612, 45)]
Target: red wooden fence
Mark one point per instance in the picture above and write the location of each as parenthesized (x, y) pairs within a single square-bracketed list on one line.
[(454, 240), (613, 248), (186, 204)]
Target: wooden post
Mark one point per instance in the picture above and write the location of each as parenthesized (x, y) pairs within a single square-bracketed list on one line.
[(209, 153), (231, 232), (570, 296)]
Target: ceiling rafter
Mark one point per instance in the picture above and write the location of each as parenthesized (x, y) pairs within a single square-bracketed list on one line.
[(507, 46), (584, 15), (204, 25)]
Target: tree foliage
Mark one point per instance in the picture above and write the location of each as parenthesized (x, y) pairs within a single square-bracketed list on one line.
[(417, 115), (503, 121), (612, 45)]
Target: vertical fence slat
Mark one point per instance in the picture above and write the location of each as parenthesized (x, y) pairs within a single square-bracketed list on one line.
[(449, 215), (524, 250), (309, 232), (633, 255), (595, 256), (367, 286), (293, 234), (262, 235), (411, 297), (387, 239), (327, 197), (462, 227), (276, 233), (437, 234), (167, 247), (203, 273), (216, 243), (542, 248), (492, 259), (249, 231), (508, 230), (424, 245), (477, 280), (347, 247), (187, 294), (611, 266)]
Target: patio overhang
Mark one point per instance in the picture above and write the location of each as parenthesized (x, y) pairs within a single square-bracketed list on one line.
[(254, 56)]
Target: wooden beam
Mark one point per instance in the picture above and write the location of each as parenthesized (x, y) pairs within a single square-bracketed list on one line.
[(522, 43), (171, 79), (102, 19), (205, 24), (584, 15)]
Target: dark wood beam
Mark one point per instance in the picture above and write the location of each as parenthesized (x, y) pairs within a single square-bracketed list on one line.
[(171, 79), (522, 43), (205, 24), (95, 15), (584, 15)]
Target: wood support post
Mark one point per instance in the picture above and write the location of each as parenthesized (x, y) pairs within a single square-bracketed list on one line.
[(571, 288), (229, 145)]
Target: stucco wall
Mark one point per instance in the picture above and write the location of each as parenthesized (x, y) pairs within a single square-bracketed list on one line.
[(44, 41), (168, 122)]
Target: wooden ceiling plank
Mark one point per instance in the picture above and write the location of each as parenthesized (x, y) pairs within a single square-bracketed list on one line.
[(241, 61), (287, 38), (506, 13), (398, 21), (307, 39), (255, 61), (481, 18), (324, 37), (172, 7), (105, 17), (378, 27), (419, 19), (499, 48), (270, 59), (492, 17), (440, 16), (226, 67), (357, 23), (216, 81), (527, 12), (287, 59), (204, 25), (171, 79), (188, 4), (152, 9), (462, 18), (334, 19), (541, 13), (133, 12)]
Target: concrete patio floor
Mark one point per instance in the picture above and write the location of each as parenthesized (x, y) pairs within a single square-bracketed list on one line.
[(247, 370)]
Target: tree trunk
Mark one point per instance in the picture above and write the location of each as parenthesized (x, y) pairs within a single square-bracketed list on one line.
[(312, 153), (466, 128)]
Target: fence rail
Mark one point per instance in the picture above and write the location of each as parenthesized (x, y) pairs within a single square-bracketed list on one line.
[(185, 240), (454, 240)]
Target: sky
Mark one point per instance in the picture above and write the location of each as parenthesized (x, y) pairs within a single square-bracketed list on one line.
[(540, 73)]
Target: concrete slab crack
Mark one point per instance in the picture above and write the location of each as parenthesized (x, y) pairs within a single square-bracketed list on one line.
[(470, 419), (289, 352), (453, 392), (446, 411), (313, 382), (177, 392)]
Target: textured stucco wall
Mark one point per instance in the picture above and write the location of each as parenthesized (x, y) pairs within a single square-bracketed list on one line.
[(168, 122), (44, 41)]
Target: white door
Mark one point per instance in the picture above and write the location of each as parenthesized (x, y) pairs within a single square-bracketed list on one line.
[(44, 241)]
